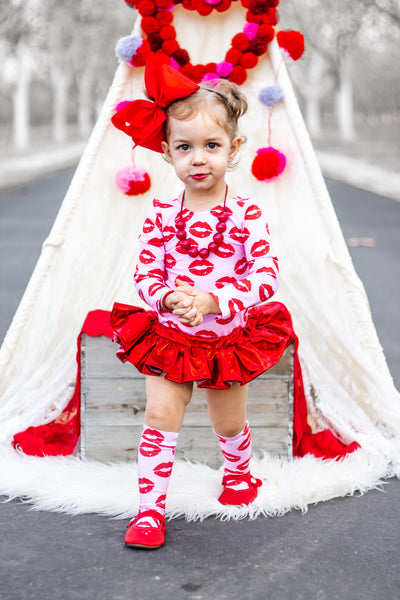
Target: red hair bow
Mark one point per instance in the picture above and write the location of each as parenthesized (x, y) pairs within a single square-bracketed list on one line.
[(143, 119)]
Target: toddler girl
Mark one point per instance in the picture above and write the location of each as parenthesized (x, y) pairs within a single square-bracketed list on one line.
[(205, 262)]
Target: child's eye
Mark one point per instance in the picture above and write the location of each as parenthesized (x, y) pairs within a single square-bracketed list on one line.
[(183, 147), (212, 145)]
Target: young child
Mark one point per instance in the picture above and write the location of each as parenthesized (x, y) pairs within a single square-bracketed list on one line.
[(205, 260)]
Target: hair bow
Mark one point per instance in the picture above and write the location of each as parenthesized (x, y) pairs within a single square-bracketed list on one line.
[(143, 120)]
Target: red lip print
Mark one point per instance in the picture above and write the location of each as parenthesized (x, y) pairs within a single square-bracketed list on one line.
[(152, 273), (146, 257), (184, 278), (163, 469), (220, 283), (171, 325), (260, 248), (148, 226), (161, 500), (265, 291), (155, 287), (235, 305), (243, 285), (244, 465), (168, 233), (148, 449), (252, 213), (225, 250), (238, 235), (222, 321), (230, 457), (244, 445), (159, 221), (159, 204), (141, 295), (153, 435), (268, 270), (200, 229), (206, 333), (276, 263), (201, 267), (241, 266), (169, 261), (159, 242), (145, 485), (217, 211)]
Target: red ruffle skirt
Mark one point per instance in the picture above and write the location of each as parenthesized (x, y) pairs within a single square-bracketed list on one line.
[(213, 363)]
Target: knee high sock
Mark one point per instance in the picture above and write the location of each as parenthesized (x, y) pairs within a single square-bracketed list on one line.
[(155, 462), (237, 453)]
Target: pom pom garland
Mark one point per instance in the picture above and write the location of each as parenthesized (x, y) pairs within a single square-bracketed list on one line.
[(224, 68), (133, 180), (271, 95), (268, 164)]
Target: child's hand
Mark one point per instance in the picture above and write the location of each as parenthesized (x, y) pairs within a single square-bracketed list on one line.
[(183, 305), (205, 303)]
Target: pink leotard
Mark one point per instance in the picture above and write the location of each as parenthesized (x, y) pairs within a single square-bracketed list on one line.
[(242, 273)]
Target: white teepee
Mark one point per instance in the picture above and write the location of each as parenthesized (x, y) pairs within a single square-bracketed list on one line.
[(87, 263)]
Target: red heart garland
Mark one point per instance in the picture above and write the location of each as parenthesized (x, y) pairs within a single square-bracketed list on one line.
[(242, 55)]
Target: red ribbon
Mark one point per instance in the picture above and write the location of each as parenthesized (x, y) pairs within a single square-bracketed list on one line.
[(143, 120)]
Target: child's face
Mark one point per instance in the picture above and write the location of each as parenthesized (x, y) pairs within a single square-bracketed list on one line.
[(200, 150)]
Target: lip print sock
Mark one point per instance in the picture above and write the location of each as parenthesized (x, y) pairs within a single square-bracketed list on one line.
[(240, 487), (154, 468)]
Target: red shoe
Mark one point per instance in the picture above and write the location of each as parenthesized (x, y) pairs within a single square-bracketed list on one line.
[(239, 497), (148, 537)]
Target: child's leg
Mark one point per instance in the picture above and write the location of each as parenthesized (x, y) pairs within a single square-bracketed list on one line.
[(165, 410), (227, 411)]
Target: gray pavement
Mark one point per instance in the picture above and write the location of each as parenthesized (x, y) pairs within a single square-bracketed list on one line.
[(347, 548)]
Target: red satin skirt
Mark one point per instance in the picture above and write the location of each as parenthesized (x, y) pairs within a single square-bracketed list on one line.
[(213, 363)]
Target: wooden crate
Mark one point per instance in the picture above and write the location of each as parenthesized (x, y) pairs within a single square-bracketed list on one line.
[(113, 402)]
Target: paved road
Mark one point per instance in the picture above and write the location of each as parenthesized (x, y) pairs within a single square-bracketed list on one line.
[(344, 549)]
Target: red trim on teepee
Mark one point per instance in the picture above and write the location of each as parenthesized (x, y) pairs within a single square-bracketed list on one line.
[(59, 437)]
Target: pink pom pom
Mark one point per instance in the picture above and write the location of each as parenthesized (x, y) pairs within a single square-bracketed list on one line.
[(122, 104), (174, 64), (209, 77), (268, 164), (213, 2), (224, 68), (250, 30), (132, 180)]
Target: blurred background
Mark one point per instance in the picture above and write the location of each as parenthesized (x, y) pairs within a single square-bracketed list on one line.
[(58, 61)]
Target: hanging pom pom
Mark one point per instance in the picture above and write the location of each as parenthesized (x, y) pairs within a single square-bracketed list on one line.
[(268, 164), (127, 47), (271, 95), (133, 180), (291, 43)]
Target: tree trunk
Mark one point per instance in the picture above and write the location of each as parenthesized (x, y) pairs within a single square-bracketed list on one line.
[(85, 106), (60, 83), (21, 120), (344, 99)]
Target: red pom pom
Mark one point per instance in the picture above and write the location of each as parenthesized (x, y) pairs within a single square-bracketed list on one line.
[(248, 60), (271, 17), (139, 187), (155, 40), (211, 67), (170, 46), (233, 56), (259, 7), (187, 70), (150, 25), (139, 60), (181, 56), (273, 3), (246, 3), (258, 47), (164, 17), (251, 18), (292, 43), (238, 75), (268, 164), (163, 3), (223, 5), (198, 72), (189, 4), (204, 9), (240, 41), (133, 180), (147, 8), (168, 33), (265, 33)]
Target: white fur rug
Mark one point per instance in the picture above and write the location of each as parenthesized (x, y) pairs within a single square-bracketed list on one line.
[(72, 485)]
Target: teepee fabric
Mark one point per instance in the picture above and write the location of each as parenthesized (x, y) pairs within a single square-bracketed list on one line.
[(87, 263)]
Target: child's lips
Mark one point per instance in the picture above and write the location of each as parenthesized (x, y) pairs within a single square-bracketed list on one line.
[(199, 176)]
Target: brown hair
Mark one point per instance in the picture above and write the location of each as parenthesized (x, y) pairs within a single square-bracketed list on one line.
[(216, 93)]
